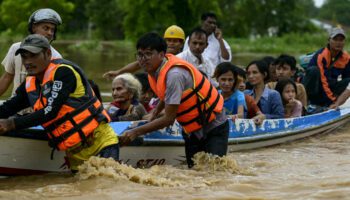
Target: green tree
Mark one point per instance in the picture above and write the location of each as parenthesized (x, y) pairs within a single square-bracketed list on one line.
[(336, 11), (15, 14), (155, 15), (246, 17), (106, 17)]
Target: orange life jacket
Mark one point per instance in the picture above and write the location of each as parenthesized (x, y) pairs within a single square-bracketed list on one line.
[(77, 118), (336, 66), (199, 104)]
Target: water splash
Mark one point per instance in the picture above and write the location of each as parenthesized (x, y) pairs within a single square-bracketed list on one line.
[(96, 167), (213, 163)]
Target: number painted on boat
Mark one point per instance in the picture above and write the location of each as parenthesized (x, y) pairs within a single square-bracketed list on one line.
[(143, 163)]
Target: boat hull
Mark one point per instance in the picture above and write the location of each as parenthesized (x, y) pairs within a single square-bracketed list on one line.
[(24, 156)]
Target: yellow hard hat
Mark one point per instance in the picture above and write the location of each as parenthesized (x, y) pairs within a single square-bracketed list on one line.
[(174, 32)]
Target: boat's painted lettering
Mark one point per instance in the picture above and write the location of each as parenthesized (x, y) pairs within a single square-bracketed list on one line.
[(149, 162)]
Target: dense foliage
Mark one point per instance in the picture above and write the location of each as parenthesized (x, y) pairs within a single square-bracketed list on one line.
[(119, 19)]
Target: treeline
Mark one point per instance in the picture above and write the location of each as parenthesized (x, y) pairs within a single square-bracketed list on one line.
[(128, 19)]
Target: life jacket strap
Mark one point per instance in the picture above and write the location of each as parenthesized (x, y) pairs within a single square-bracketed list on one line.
[(69, 115), (55, 141), (194, 92)]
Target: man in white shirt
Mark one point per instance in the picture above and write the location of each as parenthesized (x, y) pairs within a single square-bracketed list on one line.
[(218, 50), (43, 22), (197, 44)]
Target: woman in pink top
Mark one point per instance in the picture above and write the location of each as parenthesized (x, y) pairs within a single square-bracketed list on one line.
[(288, 90)]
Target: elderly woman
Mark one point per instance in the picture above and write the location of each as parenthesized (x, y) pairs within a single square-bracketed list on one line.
[(126, 91)]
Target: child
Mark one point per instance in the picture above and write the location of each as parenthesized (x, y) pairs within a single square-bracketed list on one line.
[(288, 90), (234, 102)]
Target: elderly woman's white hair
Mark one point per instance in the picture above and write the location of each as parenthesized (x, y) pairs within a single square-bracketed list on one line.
[(131, 83)]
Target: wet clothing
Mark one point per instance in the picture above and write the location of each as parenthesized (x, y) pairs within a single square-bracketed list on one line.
[(214, 143), (270, 103), (65, 86), (179, 80), (326, 77), (103, 143)]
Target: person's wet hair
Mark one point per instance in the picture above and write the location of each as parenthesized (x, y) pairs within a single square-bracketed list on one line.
[(153, 41), (206, 15), (143, 78), (196, 31), (281, 84), (262, 68), (225, 67), (269, 60), (286, 59)]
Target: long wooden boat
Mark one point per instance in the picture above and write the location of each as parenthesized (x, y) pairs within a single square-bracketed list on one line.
[(27, 152)]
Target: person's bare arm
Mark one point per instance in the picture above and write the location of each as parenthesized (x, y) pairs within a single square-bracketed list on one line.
[(5, 81), (129, 68), (224, 53), (166, 120), (341, 99)]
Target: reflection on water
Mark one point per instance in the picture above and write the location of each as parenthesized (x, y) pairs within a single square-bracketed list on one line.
[(314, 168)]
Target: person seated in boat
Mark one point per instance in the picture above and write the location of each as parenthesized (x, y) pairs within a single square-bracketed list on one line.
[(328, 72), (286, 68), (197, 43), (253, 111), (288, 90), (64, 104), (147, 98), (218, 50), (268, 100), (341, 99), (174, 37), (234, 102), (272, 68), (178, 84), (126, 90)]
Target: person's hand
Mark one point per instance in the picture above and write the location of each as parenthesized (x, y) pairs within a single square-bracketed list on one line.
[(258, 119), (218, 33), (334, 106), (291, 104), (111, 75), (154, 114), (6, 125), (234, 117), (127, 137)]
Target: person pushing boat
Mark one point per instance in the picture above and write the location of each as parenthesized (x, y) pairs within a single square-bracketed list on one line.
[(185, 95), (63, 103)]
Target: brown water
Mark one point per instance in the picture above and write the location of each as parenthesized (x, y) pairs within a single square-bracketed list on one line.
[(313, 168)]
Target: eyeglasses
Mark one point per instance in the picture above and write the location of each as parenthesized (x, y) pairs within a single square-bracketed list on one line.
[(146, 55)]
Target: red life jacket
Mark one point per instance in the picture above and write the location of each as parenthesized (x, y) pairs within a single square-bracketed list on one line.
[(77, 118), (199, 104)]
